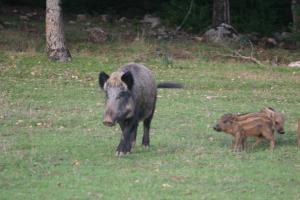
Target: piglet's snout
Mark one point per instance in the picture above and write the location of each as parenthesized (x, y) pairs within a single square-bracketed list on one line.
[(217, 127)]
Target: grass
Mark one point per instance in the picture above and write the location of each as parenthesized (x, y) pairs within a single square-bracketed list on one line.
[(54, 146)]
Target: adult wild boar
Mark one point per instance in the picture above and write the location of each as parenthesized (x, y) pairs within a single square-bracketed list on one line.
[(130, 97)]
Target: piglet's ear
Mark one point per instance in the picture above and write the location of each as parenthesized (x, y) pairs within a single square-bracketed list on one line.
[(102, 79), (128, 79)]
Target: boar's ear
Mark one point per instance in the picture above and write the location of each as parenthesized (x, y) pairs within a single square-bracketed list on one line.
[(128, 79), (102, 79)]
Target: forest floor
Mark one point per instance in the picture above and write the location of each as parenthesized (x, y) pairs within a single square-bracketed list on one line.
[(53, 144)]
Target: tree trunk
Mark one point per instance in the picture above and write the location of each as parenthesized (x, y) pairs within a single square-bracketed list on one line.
[(221, 12), (295, 5), (56, 48)]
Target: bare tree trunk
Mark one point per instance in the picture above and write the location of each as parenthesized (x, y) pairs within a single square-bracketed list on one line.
[(295, 5), (56, 48), (221, 12)]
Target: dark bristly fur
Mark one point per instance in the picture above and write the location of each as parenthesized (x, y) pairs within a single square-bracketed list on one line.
[(130, 97)]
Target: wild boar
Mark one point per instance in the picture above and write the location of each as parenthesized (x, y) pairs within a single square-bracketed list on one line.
[(259, 127), (276, 117), (130, 97)]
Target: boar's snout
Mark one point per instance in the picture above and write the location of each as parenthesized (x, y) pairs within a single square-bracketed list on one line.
[(217, 128), (281, 131), (108, 121)]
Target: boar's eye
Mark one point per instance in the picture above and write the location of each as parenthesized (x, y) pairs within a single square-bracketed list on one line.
[(276, 122), (123, 94)]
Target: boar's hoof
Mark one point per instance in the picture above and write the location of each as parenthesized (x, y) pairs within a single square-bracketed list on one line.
[(146, 146), (123, 149), (121, 153)]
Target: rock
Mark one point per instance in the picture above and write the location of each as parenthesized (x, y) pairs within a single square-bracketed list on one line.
[(160, 33), (198, 39), (72, 22), (294, 64), (289, 45), (29, 14), (24, 18), (253, 37), (104, 18), (153, 21), (277, 36), (96, 34), (7, 23), (268, 42), (81, 18), (221, 34), (123, 19)]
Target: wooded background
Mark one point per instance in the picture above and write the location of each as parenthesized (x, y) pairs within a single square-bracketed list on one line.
[(264, 17)]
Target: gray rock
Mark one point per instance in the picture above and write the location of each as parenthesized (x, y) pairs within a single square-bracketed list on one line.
[(104, 18), (96, 34), (268, 42), (153, 21), (81, 18), (253, 37), (221, 34), (123, 19), (294, 64), (24, 18)]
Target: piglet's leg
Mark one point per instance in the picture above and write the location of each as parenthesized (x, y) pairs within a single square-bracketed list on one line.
[(270, 136), (238, 141), (258, 140)]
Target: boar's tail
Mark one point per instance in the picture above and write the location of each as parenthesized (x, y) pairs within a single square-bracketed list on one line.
[(169, 85)]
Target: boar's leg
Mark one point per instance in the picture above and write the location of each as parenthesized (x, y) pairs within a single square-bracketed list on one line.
[(238, 141), (133, 136), (146, 136), (128, 128), (244, 142), (258, 140), (270, 136), (232, 144)]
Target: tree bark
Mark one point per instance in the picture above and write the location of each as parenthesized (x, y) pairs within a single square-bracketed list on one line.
[(56, 48), (221, 12), (295, 6)]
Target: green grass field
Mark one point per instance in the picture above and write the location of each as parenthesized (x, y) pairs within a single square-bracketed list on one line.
[(53, 144)]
